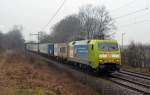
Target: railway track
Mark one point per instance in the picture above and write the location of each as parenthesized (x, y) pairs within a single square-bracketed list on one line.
[(142, 88), (131, 85), (125, 83), (134, 81), (135, 74)]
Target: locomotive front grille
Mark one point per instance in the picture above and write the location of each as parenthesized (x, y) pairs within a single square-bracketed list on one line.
[(113, 61), (110, 67)]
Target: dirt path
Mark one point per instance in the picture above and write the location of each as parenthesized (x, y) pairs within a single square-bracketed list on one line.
[(22, 75)]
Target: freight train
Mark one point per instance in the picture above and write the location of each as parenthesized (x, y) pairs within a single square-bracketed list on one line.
[(98, 55)]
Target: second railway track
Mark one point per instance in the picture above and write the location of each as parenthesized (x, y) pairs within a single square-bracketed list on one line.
[(134, 81), (131, 85), (136, 74)]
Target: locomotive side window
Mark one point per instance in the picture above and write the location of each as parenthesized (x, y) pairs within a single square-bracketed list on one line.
[(92, 47)]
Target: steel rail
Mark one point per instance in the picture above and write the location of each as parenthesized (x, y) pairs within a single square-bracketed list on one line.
[(135, 74), (130, 85), (129, 80)]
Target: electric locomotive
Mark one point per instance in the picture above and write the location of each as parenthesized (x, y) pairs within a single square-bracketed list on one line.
[(100, 55)]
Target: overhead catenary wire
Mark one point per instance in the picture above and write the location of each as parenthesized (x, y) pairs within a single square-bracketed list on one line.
[(137, 17), (57, 11), (123, 6), (134, 23), (132, 13)]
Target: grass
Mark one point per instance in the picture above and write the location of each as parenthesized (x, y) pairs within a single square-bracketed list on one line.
[(24, 75), (136, 69)]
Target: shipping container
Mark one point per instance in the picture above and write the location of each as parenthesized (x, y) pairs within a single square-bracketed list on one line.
[(51, 49), (62, 50), (43, 48)]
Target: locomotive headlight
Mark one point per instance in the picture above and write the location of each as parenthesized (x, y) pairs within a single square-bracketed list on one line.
[(115, 55), (117, 60), (102, 55)]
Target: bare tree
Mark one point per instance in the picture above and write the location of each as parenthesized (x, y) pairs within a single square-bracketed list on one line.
[(44, 37), (67, 29), (136, 55), (1, 39), (14, 38), (96, 22), (90, 23)]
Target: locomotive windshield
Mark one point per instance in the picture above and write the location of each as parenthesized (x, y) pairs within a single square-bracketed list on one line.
[(108, 46)]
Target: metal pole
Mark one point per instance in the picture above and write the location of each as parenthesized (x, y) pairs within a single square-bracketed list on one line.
[(38, 42), (38, 38), (122, 40), (122, 52)]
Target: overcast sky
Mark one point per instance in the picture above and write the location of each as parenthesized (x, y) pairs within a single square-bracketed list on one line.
[(34, 14)]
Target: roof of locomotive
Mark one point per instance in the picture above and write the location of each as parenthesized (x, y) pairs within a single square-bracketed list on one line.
[(91, 42)]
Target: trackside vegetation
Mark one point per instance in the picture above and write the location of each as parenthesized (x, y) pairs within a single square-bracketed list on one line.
[(136, 57)]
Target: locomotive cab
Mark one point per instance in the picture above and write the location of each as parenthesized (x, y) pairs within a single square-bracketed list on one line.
[(106, 55), (109, 56)]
